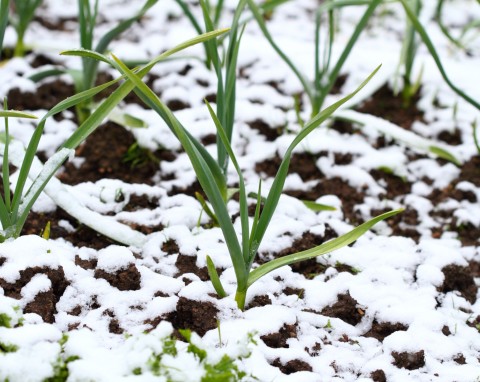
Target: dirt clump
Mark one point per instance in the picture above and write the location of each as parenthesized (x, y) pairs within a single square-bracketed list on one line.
[(124, 279)]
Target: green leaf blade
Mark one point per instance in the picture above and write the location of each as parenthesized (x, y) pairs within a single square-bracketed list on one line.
[(320, 250), (212, 273)]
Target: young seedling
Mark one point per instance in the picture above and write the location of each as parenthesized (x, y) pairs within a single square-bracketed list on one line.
[(410, 87), (318, 90), (244, 252), (325, 75), (417, 25), (8, 213), (24, 10), (85, 78)]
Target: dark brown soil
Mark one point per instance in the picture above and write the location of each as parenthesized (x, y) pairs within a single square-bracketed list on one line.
[(271, 133), (187, 264), (44, 303), (348, 195), (104, 153), (292, 366), (459, 279), (258, 301), (378, 376), (46, 97), (197, 316), (83, 236), (346, 308), (384, 104), (301, 164), (380, 330), (123, 279), (409, 361), (279, 339), (395, 185), (403, 224)]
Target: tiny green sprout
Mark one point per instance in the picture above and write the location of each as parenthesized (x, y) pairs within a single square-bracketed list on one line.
[(455, 111), (328, 325), (63, 340), (169, 346), (386, 170), (219, 330), (300, 294), (46, 231), (138, 156)]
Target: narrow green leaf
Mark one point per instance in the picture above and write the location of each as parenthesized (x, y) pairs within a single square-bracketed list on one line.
[(86, 53), (4, 218), (5, 164), (207, 209), (475, 138), (359, 28), (46, 231), (16, 114), (322, 249), (279, 181), (242, 192), (317, 206), (217, 284), (261, 23), (190, 16), (38, 76), (203, 171), (433, 52), (256, 217), (127, 120), (4, 6), (442, 153)]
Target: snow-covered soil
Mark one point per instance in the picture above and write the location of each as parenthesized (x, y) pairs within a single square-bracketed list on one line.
[(400, 304)]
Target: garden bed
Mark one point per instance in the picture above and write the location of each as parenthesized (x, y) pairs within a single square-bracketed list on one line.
[(399, 304)]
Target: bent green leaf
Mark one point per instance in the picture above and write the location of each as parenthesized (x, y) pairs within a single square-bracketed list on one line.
[(320, 250)]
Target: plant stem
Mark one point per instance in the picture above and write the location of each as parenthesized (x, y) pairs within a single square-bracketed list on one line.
[(19, 47), (240, 297)]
